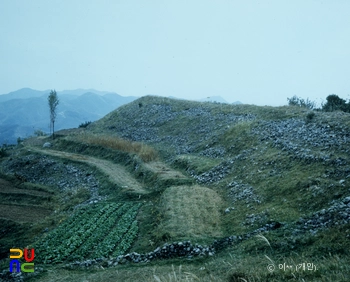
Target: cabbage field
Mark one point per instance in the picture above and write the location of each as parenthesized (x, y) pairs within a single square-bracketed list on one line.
[(93, 231)]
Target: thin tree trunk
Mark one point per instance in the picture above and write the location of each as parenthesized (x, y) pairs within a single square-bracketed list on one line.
[(53, 130)]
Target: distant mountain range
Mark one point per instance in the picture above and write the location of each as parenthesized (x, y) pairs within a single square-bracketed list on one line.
[(26, 110)]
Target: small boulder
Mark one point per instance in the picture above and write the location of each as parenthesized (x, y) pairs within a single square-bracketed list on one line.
[(47, 145)]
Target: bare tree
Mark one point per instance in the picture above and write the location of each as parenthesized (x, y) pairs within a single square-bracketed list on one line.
[(53, 102)]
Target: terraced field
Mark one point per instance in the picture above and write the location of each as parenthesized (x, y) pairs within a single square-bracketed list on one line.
[(191, 211), (23, 213), (232, 180), (22, 205), (93, 231), (108, 229)]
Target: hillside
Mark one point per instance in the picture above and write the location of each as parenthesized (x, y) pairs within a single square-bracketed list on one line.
[(261, 193)]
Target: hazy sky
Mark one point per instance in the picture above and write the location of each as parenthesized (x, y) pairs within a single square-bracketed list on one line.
[(258, 52)]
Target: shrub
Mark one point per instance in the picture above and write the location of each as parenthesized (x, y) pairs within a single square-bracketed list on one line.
[(19, 140), (39, 133), (310, 116), (3, 151), (84, 124), (335, 103), (297, 101)]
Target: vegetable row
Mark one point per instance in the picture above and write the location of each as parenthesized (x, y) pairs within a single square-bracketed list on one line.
[(91, 232)]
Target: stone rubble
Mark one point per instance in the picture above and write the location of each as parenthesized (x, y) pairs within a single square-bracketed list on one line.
[(47, 145), (7, 276), (306, 141), (239, 191), (147, 126), (256, 219), (214, 153), (220, 171), (178, 249), (45, 170), (337, 214), (173, 250), (216, 174)]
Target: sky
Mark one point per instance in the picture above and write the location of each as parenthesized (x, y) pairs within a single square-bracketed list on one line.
[(257, 52)]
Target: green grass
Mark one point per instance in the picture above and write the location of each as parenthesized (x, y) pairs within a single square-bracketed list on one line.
[(238, 138), (199, 164), (231, 265)]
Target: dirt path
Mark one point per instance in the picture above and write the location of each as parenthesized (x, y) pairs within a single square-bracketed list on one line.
[(116, 173)]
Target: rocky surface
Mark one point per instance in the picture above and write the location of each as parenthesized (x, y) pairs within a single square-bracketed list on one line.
[(256, 219), (220, 171), (45, 170), (47, 145), (243, 192), (173, 250), (7, 276), (150, 123), (178, 249), (215, 174), (306, 141), (337, 214), (216, 152)]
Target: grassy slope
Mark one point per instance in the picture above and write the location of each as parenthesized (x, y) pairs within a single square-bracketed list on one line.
[(287, 189)]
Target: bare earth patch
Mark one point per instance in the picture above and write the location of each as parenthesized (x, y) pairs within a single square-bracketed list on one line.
[(191, 211)]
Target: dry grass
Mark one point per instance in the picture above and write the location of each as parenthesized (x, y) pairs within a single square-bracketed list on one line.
[(191, 212), (145, 152)]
